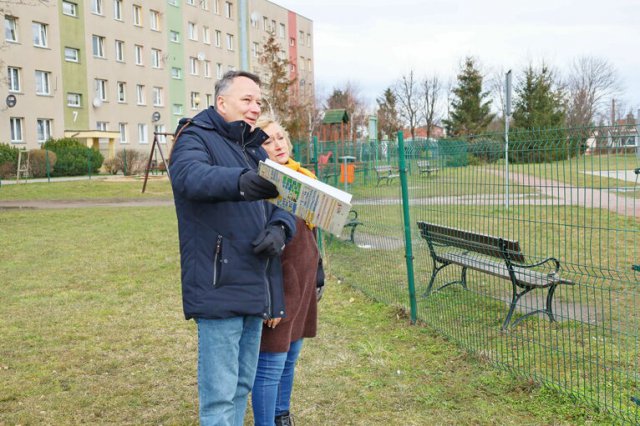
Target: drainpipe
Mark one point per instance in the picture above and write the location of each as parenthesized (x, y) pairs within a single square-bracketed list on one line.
[(243, 39)]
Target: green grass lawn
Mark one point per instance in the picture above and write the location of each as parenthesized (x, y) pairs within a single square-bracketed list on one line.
[(93, 332)]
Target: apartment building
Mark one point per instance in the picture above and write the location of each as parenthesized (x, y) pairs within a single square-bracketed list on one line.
[(113, 72)]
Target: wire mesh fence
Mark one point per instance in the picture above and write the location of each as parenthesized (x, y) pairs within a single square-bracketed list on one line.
[(569, 199)]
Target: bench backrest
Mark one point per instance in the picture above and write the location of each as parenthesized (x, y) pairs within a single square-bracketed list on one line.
[(423, 163), (467, 240), (382, 169)]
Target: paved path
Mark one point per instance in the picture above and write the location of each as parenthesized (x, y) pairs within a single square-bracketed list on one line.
[(73, 204)]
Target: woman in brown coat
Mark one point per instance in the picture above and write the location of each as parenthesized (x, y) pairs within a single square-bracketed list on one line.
[(282, 338)]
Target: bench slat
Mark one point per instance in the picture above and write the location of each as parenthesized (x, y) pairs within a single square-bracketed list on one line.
[(527, 277)]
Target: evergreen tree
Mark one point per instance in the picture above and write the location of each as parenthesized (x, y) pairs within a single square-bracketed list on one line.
[(538, 103), (470, 112), (388, 121)]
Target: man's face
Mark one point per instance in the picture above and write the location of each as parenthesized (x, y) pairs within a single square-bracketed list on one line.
[(241, 101)]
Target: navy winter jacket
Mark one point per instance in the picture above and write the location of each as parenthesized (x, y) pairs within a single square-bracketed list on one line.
[(221, 276)]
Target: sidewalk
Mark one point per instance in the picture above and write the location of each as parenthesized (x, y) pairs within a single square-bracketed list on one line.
[(57, 179)]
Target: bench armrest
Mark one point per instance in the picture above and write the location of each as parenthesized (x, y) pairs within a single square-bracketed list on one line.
[(542, 262)]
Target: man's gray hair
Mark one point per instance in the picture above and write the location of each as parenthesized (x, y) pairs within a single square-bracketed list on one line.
[(223, 84)]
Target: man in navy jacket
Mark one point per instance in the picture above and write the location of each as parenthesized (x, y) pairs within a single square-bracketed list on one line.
[(230, 243)]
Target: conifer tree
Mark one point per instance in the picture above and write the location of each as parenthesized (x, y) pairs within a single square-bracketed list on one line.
[(539, 104), (388, 121), (470, 112)]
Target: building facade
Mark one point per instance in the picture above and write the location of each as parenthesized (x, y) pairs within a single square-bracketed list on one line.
[(113, 72)]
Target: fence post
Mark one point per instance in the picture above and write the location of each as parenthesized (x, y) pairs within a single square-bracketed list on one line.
[(46, 162), (316, 169), (507, 113), (407, 228)]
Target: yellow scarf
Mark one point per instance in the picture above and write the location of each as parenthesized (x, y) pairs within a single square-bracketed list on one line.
[(294, 165)]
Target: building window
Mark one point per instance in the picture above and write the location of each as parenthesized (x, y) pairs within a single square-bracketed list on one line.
[(282, 31), (74, 100), (102, 126), (96, 6), (140, 94), (16, 129), (44, 129), (193, 65), (219, 71), (43, 79), (301, 38), (159, 128), (138, 52), (228, 6), (155, 58), (216, 7), (123, 132), (206, 35), (229, 42), (292, 42), (137, 15), (204, 4), (173, 2), (69, 9), (255, 49), (39, 34), (176, 73), (209, 99), (191, 2), (154, 20), (117, 10), (174, 36), (207, 68), (192, 31), (119, 50), (14, 79), (177, 109), (10, 28), (97, 43), (265, 23), (308, 39), (142, 133), (309, 65), (101, 89), (122, 91), (195, 100), (218, 38), (157, 96), (71, 54)]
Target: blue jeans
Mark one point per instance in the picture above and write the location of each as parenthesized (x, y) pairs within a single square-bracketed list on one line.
[(227, 359), (271, 395)]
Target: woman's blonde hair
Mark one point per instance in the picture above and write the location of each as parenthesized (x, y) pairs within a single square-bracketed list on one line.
[(267, 119)]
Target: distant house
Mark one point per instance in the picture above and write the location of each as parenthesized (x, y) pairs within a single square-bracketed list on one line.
[(437, 132), (623, 135)]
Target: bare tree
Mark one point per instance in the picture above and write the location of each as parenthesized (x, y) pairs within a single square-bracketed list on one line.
[(591, 82), (431, 91), (407, 94)]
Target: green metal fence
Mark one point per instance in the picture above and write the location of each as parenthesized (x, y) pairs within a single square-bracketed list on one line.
[(570, 194)]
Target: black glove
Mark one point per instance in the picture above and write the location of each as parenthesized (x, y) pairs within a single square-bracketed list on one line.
[(270, 241), (254, 187)]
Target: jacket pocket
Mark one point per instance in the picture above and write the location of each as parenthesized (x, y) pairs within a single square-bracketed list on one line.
[(235, 264)]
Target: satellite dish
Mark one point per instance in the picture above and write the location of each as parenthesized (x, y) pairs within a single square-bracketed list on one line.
[(201, 56), (255, 17), (97, 102)]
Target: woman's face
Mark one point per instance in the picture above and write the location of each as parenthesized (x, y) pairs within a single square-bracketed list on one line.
[(277, 146)]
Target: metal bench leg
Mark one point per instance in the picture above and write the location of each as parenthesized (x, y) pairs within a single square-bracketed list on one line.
[(353, 230), (436, 269), (549, 308), (514, 301)]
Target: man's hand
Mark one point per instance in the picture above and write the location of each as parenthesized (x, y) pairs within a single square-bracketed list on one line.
[(270, 241), (254, 187)]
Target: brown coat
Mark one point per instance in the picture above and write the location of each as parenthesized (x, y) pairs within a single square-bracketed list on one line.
[(299, 269)]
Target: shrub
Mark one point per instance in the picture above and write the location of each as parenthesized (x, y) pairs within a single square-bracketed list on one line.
[(129, 162), (8, 161), (486, 151), (73, 157), (38, 162)]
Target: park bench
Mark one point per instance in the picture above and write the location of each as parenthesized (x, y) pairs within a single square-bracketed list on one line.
[(470, 250), (386, 173), (352, 223), (425, 167)]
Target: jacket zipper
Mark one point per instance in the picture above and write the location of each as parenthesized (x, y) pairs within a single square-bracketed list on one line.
[(264, 214), (216, 259)]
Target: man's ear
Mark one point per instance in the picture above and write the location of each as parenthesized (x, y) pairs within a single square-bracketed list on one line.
[(220, 105)]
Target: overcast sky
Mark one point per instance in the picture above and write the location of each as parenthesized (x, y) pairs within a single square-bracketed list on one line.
[(372, 43)]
